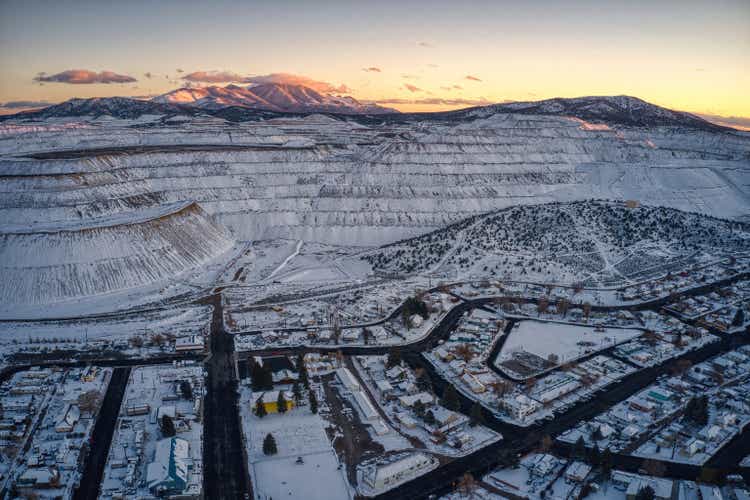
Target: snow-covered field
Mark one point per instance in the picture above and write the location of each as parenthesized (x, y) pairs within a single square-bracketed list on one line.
[(298, 433), (560, 343)]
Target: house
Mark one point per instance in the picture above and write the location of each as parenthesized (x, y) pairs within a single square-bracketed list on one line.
[(605, 430), (69, 419), (444, 354), (347, 378), (189, 343), (728, 419), (457, 366), (270, 401), (577, 472), (542, 465), (475, 385), (520, 406), (365, 405), (384, 387), (136, 407), (694, 446), (44, 477), (663, 488), (631, 431), (409, 400), (395, 373), (382, 476), (406, 420), (712, 432), (284, 376), (351, 335), (169, 472)]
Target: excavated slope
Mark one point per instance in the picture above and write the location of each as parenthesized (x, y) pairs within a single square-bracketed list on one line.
[(50, 263), (334, 181)]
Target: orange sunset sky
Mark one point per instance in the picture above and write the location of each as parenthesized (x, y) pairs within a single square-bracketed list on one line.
[(413, 56)]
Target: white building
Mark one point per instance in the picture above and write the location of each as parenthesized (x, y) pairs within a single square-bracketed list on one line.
[(386, 476), (408, 401), (348, 379), (520, 406), (189, 343)]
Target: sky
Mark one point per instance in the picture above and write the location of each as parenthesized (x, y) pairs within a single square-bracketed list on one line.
[(412, 55)]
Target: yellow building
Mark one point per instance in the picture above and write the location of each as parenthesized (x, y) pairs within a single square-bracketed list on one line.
[(270, 401)]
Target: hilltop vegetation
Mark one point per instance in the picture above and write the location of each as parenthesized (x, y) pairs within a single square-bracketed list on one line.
[(565, 240)]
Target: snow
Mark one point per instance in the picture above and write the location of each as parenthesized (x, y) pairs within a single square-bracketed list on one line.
[(46, 266), (298, 433), (566, 341)]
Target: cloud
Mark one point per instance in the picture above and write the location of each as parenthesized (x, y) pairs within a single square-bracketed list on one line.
[(739, 122), (24, 104), (409, 77), (458, 87), (433, 65), (446, 88), (436, 101), (426, 44), (371, 69), (213, 77), (180, 70), (84, 76), (412, 88), (286, 78), (472, 78)]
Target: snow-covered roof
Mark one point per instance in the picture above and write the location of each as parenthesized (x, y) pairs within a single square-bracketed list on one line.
[(347, 379), (405, 464), (169, 470), (409, 400)]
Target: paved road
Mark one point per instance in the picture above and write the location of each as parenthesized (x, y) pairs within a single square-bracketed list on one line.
[(101, 437), (225, 474)]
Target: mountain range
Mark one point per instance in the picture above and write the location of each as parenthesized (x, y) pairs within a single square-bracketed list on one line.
[(271, 97), (237, 103)]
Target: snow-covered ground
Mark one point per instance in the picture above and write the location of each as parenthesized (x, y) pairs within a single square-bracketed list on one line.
[(152, 392), (298, 433), (559, 343), (651, 424), (47, 418)]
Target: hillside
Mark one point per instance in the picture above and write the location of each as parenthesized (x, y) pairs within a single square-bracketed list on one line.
[(52, 263), (285, 98), (336, 181), (597, 241)]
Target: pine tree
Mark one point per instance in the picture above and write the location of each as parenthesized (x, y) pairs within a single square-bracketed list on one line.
[(394, 358), (476, 416), (297, 393), (281, 403), (269, 445), (255, 376), (167, 426), (450, 398), (739, 317), (645, 493), (260, 408), (595, 456), (579, 449), (606, 461), (186, 389), (302, 370), (313, 402)]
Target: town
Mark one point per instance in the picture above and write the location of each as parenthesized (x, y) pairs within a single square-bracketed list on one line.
[(404, 389)]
